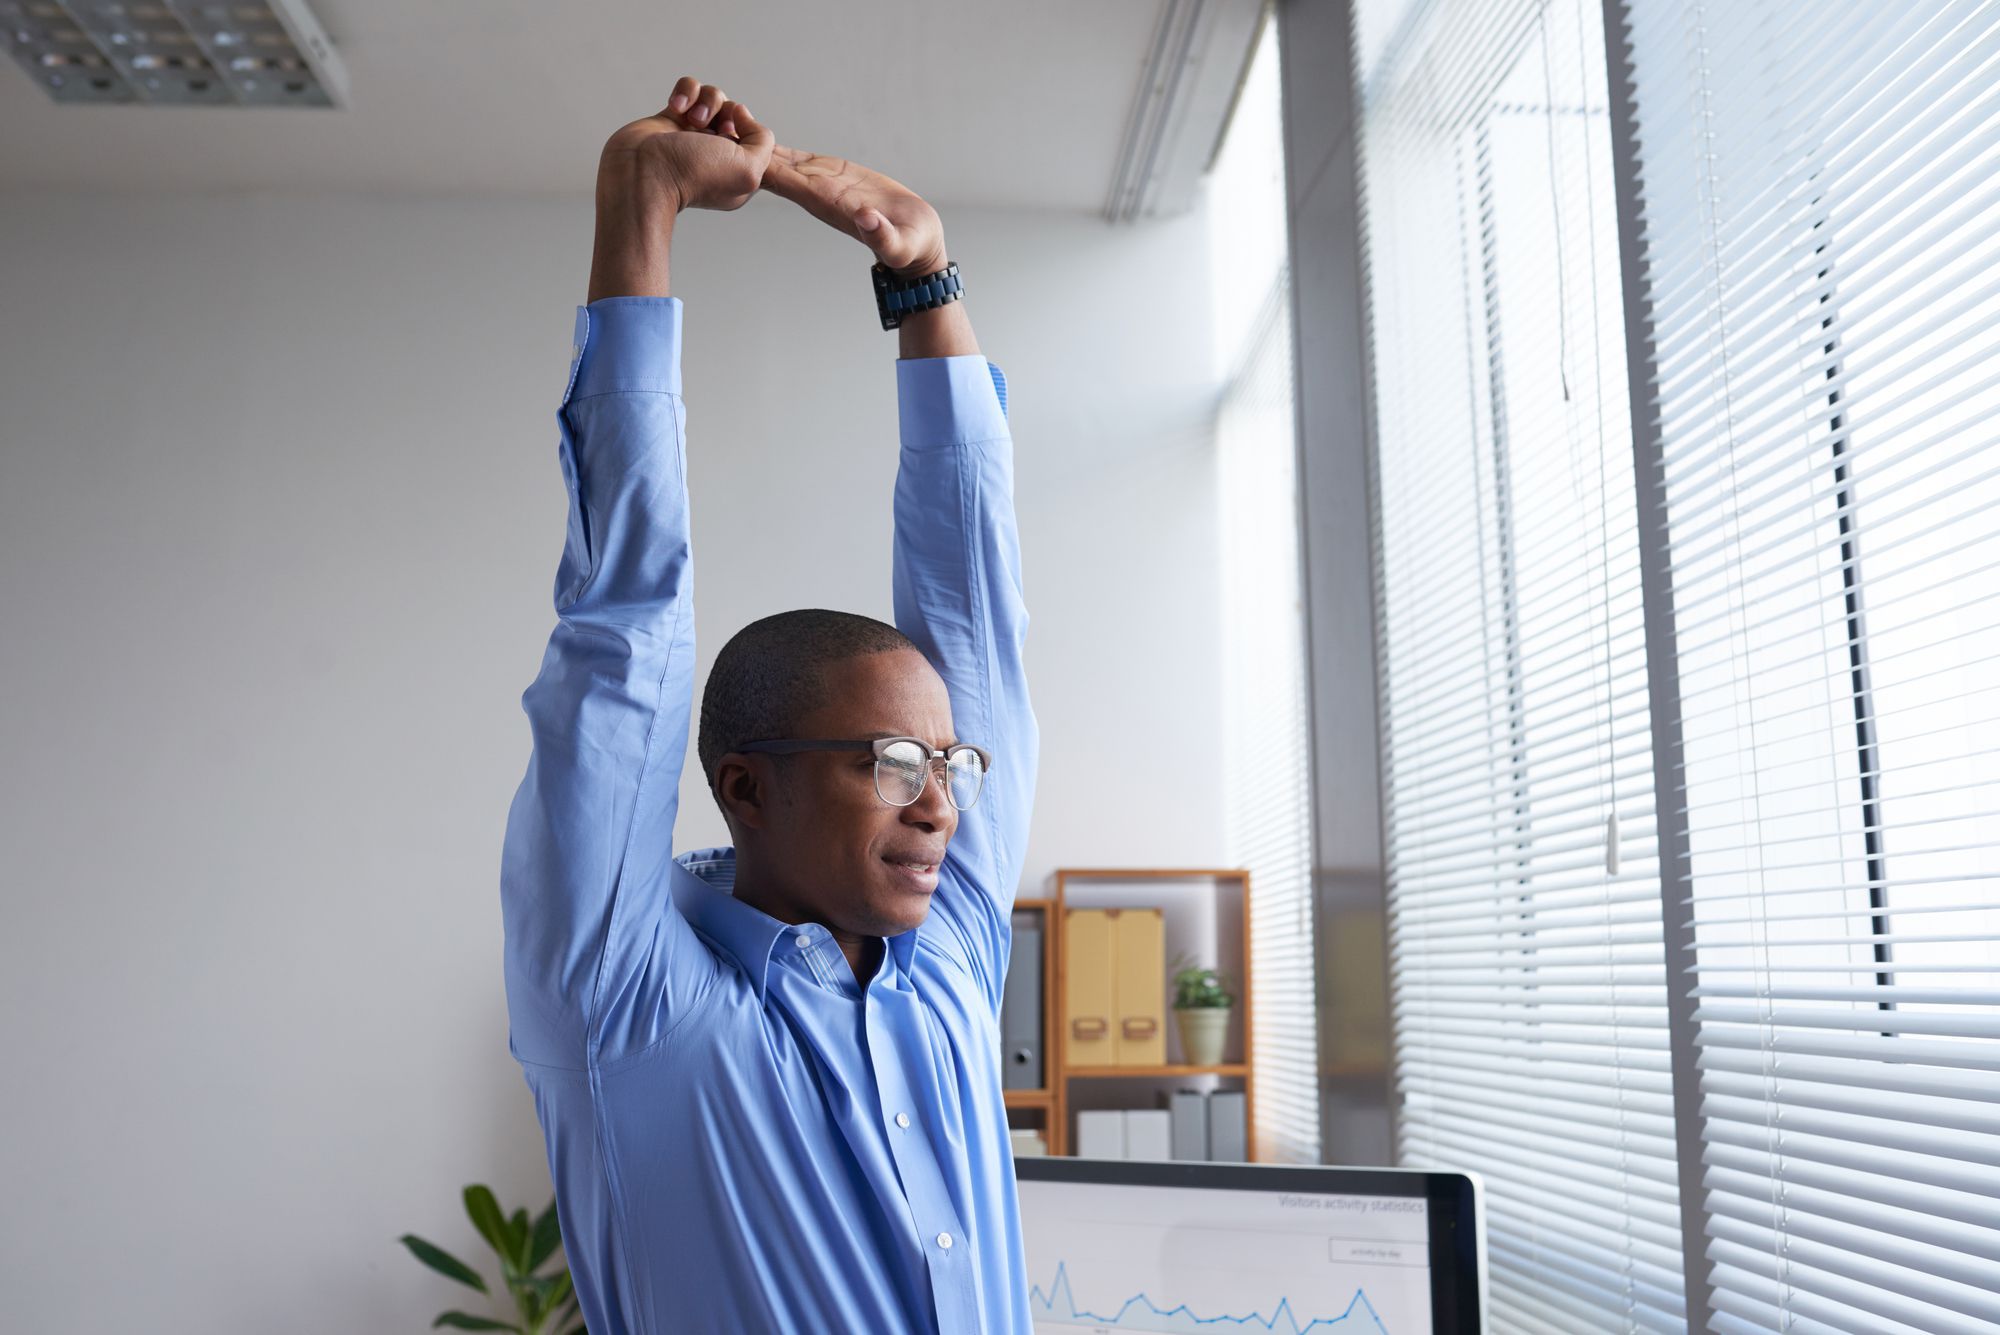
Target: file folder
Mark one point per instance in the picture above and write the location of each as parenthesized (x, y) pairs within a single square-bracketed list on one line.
[(1100, 1134), (1089, 990), (1141, 1018), (1148, 1133)]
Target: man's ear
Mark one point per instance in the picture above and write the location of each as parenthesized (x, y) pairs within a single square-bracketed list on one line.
[(743, 790)]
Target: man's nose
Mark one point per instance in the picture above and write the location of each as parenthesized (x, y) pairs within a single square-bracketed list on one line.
[(933, 809)]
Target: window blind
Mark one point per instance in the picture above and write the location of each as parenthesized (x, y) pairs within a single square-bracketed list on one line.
[(1527, 957), (1814, 190), (1268, 821)]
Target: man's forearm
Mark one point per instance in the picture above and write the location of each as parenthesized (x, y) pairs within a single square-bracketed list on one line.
[(635, 231)]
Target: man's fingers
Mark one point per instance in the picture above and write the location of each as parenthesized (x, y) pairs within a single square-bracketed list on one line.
[(706, 103), (810, 180), (733, 118), (752, 133), (684, 90)]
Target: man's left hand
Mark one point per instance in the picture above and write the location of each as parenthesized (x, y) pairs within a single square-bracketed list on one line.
[(887, 216)]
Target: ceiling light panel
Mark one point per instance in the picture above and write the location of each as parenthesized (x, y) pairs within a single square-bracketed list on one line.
[(175, 52)]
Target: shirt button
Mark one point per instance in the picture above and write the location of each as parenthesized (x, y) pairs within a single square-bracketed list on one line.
[(944, 1241), (903, 1120), (803, 940)]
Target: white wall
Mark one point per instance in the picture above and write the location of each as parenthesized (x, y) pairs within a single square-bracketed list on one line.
[(279, 515)]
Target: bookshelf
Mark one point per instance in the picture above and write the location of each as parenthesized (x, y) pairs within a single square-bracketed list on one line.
[(1207, 915)]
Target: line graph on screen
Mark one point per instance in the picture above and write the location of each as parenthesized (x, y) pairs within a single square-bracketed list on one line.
[(1056, 1305)]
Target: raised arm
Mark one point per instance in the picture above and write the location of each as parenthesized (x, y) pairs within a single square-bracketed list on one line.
[(957, 564), (595, 955)]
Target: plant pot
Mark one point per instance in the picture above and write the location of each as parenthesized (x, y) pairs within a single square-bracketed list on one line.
[(1203, 1032)]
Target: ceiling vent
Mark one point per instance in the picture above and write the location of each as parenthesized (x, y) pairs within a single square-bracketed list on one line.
[(266, 53)]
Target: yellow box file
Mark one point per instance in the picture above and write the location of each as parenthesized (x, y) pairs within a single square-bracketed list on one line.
[(1115, 987)]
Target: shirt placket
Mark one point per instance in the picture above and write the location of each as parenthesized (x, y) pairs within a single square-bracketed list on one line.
[(893, 1031)]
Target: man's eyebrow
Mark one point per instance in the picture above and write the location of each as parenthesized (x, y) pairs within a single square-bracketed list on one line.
[(880, 733)]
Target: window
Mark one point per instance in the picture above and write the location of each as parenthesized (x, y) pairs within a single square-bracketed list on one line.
[(1728, 1058), (1528, 972), (1269, 818), (1819, 262)]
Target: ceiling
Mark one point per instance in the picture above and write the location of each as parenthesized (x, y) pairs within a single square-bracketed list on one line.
[(1006, 102)]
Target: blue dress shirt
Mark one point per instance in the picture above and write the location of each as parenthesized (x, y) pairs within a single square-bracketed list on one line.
[(742, 1137)]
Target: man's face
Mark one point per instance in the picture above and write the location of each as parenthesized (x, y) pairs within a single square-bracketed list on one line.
[(839, 851)]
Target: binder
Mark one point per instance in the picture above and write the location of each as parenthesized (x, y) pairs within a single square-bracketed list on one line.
[(1021, 1008), (1227, 1133), (1188, 1111), (1148, 1133), (1100, 1134)]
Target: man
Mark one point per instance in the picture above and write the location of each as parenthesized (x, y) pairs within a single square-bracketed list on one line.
[(768, 1075)]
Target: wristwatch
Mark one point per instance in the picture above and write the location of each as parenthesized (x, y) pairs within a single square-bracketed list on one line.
[(896, 297)]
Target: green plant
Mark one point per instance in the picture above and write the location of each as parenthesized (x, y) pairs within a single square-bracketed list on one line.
[(545, 1302), (1197, 987)]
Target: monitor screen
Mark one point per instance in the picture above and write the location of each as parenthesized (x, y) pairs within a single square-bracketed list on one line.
[(1117, 1246)]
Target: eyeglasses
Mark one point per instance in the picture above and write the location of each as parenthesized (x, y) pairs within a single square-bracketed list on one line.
[(904, 764)]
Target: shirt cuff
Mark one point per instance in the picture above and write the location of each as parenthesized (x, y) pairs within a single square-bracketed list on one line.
[(626, 345), (950, 400)]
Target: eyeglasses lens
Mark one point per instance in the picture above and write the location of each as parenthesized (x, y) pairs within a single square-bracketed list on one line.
[(903, 768), (900, 773), (965, 772)]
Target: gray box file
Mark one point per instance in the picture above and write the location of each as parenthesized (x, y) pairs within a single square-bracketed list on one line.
[(1189, 1110), (1021, 1008), (1228, 1140)]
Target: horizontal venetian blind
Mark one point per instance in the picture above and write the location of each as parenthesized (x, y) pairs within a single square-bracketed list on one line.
[(1528, 973), (1818, 187)]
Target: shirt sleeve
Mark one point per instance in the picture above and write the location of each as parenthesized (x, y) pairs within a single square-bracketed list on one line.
[(596, 957), (957, 586)]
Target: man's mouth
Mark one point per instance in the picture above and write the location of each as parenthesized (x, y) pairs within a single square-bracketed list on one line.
[(922, 873)]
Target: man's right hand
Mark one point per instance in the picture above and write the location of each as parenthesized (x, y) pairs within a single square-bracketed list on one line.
[(701, 151)]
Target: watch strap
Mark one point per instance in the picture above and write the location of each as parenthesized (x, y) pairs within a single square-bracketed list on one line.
[(897, 297)]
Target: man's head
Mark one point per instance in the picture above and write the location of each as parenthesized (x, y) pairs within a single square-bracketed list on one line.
[(810, 828)]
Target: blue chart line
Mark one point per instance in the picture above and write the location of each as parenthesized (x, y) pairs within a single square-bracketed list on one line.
[(1184, 1317)]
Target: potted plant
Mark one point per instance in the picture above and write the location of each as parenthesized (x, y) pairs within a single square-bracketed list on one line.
[(1201, 1008), (545, 1304)]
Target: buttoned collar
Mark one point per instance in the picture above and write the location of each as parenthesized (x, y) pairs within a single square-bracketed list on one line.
[(704, 889)]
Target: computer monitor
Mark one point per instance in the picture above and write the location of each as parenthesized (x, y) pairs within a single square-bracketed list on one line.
[(1115, 1245)]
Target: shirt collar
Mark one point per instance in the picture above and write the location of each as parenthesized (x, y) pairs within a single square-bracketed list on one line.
[(704, 888)]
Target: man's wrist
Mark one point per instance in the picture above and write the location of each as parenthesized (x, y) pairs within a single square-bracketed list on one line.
[(942, 331), (924, 268), (635, 231)]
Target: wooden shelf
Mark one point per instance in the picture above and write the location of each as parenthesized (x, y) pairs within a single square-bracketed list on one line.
[(1029, 1098), (1097, 1072), (1116, 890)]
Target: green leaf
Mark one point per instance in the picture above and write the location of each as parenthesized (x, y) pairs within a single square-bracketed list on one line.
[(518, 1234), (486, 1217), (443, 1262), (467, 1321), (548, 1237), (546, 1295)]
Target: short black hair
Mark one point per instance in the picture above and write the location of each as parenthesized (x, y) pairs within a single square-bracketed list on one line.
[(772, 673)]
